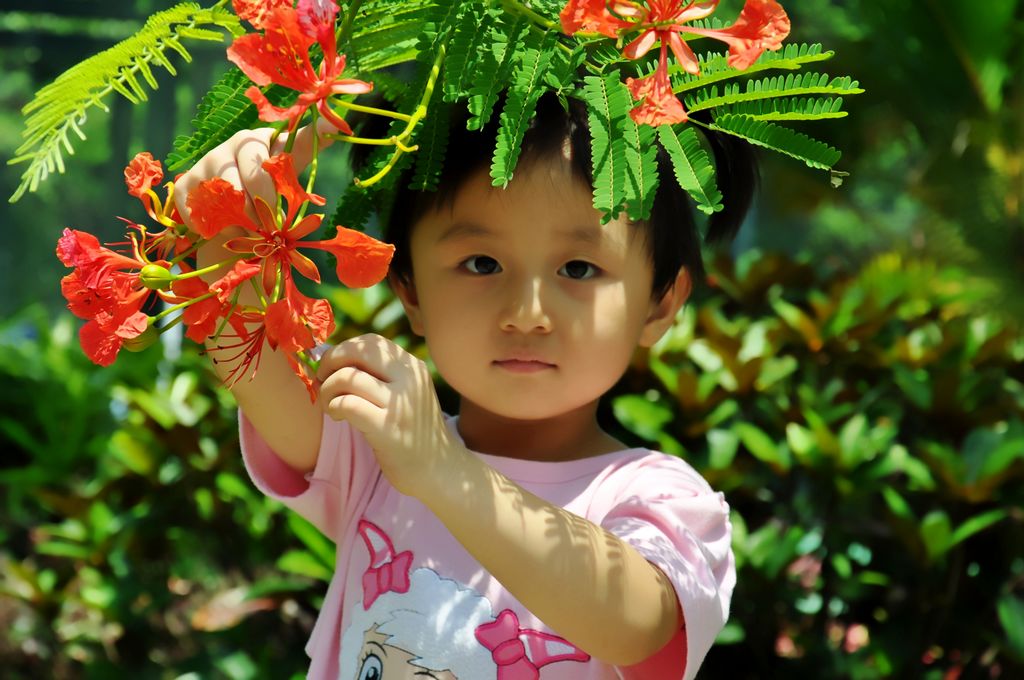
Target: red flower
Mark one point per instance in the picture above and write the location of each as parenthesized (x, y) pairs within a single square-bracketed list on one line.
[(297, 323), (142, 173), (663, 22), (204, 316), (105, 288), (590, 16), (93, 262), (113, 310), (762, 25), (660, 105), (256, 11), (281, 56), (215, 204)]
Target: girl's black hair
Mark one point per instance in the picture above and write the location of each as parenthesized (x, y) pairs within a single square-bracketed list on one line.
[(672, 238)]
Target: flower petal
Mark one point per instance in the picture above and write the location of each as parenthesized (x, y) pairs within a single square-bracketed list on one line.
[(256, 11), (99, 345), (142, 173), (216, 204), (590, 16), (762, 25), (242, 271), (660, 105), (269, 113), (641, 45), (282, 170), (363, 261)]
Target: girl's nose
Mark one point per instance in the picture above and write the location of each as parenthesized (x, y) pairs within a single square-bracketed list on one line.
[(525, 310)]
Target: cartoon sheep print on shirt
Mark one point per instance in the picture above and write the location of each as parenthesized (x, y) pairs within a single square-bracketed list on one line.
[(415, 624)]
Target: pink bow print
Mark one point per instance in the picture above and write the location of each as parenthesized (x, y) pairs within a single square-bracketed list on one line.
[(387, 572), (505, 640)]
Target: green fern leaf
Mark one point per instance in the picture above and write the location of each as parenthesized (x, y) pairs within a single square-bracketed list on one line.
[(692, 166), (714, 67), (608, 102), (494, 67), (777, 138), (534, 59), (641, 168), (223, 111), (432, 141), (386, 34), (467, 42), (793, 84), (804, 108), (61, 107)]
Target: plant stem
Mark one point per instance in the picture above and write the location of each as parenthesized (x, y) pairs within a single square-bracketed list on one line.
[(207, 270), (182, 305), (417, 115), (371, 109), (520, 8)]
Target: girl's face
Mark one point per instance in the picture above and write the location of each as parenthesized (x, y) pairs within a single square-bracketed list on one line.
[(530, 306)]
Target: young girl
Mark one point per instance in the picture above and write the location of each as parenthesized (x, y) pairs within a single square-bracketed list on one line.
[(517, 539)]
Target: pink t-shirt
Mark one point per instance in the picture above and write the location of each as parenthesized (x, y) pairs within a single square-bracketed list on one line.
[(405, 591)]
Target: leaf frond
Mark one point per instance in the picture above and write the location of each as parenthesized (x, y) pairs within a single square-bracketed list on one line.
[(61, 106), (763, 133)]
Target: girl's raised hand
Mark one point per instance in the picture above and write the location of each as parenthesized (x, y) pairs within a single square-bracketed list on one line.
[(387, 394), (239, 160), (273, 398)]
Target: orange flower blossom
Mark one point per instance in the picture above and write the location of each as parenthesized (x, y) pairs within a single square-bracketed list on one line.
[(762, 25), (280, 55)]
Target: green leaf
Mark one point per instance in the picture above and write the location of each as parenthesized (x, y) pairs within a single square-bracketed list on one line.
[(534, 59), (977, 524), (223, 111), (804, 108), (763, 133), (303, 563), (1011, 615), (467, 42), (642, 416), (607, 104), (761, 446), (792, 85), (714, 67), (641, 168), (319, 546), (494, 67), (935, 534), (692, 165), (61, 106)]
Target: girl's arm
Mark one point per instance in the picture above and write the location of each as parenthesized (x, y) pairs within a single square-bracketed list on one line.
[(585, 583), (273, 398)]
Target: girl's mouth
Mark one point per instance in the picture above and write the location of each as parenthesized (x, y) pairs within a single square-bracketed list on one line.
[(520, 366)]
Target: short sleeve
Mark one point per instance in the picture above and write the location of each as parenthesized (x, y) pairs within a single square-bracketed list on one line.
[(327, 496), (664, 509)]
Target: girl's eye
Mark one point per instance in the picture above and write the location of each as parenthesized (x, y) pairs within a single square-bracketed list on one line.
[(481, 264), (579, 270), (372, 668)]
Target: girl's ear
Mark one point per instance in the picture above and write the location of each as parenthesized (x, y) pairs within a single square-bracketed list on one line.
[(406, 293), (663, 312)]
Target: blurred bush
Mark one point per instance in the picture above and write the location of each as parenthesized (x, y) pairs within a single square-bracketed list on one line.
[(867, 429)]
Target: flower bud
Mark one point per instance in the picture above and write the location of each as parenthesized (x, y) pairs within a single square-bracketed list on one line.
[(155, 277), (146, 340)]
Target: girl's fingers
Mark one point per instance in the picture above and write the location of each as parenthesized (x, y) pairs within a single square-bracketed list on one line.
[(252, 151), (350, 380), (360, 413)]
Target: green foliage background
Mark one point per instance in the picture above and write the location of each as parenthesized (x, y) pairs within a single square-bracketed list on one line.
[(852, 380)]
